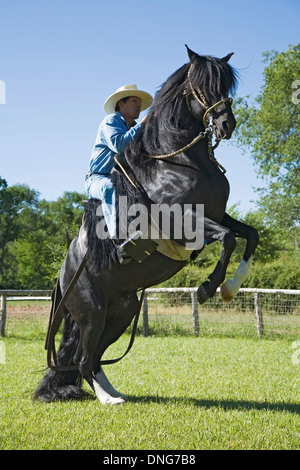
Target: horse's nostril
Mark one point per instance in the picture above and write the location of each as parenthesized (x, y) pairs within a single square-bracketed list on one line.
[(225, 126)]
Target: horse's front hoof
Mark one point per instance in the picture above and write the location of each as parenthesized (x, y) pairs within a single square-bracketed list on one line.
[(202, 294)]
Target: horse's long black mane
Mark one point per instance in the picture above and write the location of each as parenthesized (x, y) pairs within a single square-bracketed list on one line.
[(215, 78)]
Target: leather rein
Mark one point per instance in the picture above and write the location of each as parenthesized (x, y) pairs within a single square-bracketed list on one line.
[(207, 121), (58, 301), (57, 315), (208, 129)]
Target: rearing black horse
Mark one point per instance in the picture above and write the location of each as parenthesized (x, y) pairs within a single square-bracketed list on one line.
[(160, 167)]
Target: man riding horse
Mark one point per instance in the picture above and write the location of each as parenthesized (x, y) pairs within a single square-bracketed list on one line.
[(169, 160), (115, 133)]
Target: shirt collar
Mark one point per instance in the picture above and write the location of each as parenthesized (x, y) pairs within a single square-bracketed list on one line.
[(124, 120)]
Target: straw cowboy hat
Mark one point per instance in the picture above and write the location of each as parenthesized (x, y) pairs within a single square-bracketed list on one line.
[(124, 92)]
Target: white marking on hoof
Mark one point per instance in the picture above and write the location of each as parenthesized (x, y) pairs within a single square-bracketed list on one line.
[(104, 397), (231, 287), (107, 386), (227, 290)]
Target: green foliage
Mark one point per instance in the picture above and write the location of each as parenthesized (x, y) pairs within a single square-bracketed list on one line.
[(282, 273), (270, 127), (31, 256), (58, 250), (16, 204), (35, 235), (276, 262)]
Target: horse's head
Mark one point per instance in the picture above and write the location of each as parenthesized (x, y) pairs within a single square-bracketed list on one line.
[(209, 81)]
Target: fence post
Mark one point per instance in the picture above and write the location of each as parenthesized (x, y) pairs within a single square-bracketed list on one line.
[(259, 315), (3, 315), (195, 313), (145, 316)]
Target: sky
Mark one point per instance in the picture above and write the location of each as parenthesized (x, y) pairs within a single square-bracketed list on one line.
[(61, 59)]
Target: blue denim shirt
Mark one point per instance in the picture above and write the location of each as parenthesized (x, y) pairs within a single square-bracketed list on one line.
[(113, 136)]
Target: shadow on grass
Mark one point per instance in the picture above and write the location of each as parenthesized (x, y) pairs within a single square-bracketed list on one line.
[(224, 404)]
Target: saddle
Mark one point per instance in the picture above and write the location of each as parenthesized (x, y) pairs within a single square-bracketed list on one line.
[(139, 248)]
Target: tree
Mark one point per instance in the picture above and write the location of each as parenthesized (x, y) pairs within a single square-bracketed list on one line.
[(270, 127), (39, 254), (62, 220), (34, 235), (15, 203)]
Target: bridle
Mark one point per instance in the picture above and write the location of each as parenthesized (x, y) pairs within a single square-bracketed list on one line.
[(199, 96), (208, 127), (207, 121)]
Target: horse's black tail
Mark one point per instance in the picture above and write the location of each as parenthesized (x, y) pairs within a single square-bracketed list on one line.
[(63, 385)]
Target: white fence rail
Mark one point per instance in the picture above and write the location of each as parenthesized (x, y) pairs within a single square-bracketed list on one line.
[(257, 302), (12, 294)]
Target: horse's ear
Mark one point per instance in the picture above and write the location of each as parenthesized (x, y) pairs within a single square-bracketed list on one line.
[(192, 55), (227, 57)]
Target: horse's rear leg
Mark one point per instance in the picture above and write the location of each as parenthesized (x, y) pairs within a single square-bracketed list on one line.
[(119, 318), (90, 334), (107, 386), (107, 398)]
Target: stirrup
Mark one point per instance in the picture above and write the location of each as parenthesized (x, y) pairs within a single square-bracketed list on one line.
[(136, 248)]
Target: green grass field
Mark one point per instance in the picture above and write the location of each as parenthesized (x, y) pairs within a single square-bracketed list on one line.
[(184, 393)]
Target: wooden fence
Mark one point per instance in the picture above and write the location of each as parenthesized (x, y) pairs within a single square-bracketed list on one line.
[(12, 294), (192, 292)]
